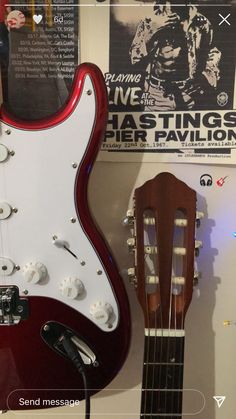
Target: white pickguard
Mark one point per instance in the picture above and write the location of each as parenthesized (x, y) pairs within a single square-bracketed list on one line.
[(39, 181)]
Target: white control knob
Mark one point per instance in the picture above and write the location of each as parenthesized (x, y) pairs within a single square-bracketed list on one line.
[(101, 312), (5, 210), (71, 287), (34, 272), (6, 266), (4, 153)]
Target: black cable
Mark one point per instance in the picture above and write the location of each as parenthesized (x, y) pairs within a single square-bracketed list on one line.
[(74, 355), (86, 396)]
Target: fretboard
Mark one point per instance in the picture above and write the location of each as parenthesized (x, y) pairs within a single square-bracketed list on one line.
[(162, 383)]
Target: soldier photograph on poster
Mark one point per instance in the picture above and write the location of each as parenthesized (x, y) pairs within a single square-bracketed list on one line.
[(167, 56)]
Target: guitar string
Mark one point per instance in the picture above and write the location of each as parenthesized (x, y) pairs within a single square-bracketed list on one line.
[(158, 340), (181, 357), (154, 241), (153, 366), (178, 348), (146, 340), (159, 367), (181, 350), (173, 355), (145, 357), (168, 339), (174, 366)]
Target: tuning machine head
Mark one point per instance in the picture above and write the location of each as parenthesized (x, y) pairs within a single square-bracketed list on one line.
[(132, 276), (196, 278), (199, 216), (198, 246), (131, 242), (129, 219)]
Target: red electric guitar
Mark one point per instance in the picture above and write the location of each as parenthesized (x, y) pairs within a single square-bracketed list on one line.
[(56, 273), (163, 223)]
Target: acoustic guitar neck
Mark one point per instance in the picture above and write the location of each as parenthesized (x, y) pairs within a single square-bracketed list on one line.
[(164, 246)]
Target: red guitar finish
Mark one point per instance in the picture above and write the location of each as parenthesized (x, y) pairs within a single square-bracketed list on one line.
[(29, 368)]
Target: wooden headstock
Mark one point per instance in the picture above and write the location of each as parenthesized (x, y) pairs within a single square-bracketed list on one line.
[(164, 245)]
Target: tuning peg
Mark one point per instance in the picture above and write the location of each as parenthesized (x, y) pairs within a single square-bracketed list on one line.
[(176, 280), (132, 276), (198, 245), (149, 221), (195, 278), (179, 222), (131, 272), (150, 250), (131, 242), (199, 216), (129, 219)]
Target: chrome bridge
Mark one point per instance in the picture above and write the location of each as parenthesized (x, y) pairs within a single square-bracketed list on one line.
[(12, 307)]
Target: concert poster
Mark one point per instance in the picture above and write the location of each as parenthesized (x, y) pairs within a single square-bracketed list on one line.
[(171, 82), (39, 51)]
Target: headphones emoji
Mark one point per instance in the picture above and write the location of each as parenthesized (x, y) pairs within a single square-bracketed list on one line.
[(206, 180)]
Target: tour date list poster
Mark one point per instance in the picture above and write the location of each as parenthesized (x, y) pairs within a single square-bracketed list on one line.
[(171, 82), (42, 55)]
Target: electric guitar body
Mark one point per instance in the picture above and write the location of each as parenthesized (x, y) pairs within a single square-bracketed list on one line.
[(56, 271)]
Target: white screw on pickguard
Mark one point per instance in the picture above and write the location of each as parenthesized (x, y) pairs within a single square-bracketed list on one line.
[(34, 272), (101, 312), (71, 287)]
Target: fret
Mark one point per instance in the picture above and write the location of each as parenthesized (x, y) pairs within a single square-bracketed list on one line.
[(163, 363), (162, 389), (162, 416)]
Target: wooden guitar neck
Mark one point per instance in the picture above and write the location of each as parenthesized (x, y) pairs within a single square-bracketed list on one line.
[(163, 242), (162, 383)]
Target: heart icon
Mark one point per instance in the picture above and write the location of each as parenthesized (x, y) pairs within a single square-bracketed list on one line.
[(37, 18)]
